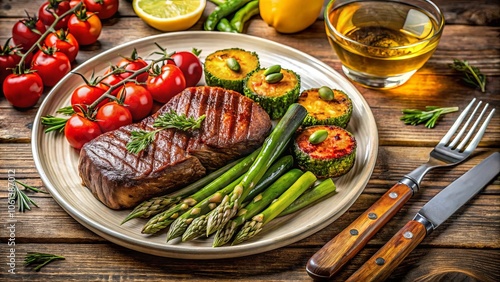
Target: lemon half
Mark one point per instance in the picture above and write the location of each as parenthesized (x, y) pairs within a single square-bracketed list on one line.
[(169, 15)]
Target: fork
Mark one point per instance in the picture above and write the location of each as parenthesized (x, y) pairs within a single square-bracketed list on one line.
[(336, 253)]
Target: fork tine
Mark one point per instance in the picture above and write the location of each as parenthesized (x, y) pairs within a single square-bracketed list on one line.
[(464, 128), (473, 144), (455, 125), (472, 129)]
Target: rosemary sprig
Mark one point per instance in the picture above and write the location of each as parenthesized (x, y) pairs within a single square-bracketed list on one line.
[(141, 139), (472, 74), (23, 201), (429, 116), (53, 123), (40, 259), (67, 111)]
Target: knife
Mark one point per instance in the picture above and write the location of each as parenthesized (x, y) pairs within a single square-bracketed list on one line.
[(432, 214)]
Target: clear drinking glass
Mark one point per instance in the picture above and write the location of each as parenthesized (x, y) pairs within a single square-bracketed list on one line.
[(382, 43)]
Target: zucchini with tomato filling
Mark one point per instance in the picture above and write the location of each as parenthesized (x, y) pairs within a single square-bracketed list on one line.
[(320, 111), (332, 157), (274, 95), (228, 68)]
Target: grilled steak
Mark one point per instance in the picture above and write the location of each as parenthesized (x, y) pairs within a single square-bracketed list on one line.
[(234, 126)]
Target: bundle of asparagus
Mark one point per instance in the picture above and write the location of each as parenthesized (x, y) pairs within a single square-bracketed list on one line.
[(243, 196)]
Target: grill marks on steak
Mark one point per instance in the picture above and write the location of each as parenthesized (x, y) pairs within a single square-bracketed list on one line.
[(234, 126)]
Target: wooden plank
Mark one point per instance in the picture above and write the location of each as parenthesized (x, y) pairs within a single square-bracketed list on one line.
[(89, 262)]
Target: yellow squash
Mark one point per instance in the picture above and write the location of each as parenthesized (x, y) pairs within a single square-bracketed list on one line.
[(290, 16)]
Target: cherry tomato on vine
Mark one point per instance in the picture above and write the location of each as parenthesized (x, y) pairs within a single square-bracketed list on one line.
[(112, 116), (104, 9), (133, 63), (59, 7), (137, 99), (111, 80), (190, 65), (23, 90), (165, 82), (86, 94), (51, 65), (80, 130), (73, 3), (65, 42), (27, 31), (9, 58), (85, 26)]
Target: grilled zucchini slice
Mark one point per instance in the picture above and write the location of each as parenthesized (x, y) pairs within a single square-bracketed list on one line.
[(332, 157), (337, 111), (219, 73), (275, 98)]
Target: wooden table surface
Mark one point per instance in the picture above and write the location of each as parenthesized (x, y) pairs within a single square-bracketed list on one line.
[(464, 248)]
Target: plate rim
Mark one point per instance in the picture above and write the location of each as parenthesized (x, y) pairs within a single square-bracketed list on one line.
[(167, 250)]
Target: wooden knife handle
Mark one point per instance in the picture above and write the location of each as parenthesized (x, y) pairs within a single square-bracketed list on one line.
[(332, 256), (383, 262)]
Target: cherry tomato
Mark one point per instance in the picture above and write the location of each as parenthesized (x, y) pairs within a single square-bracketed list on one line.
[(165, 82), (112, 116), (73, 3), (111, 80), (59, 7), (86, 94), (23, 90), (104, 9), (190, 65), (85, 27), (137, 99), (24, 34), (133, 63), (65, 42), (51, 65), (9, 58), (80, 130)]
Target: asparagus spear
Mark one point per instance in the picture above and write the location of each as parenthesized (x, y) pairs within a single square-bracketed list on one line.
[(255, 225), (181, 223), (273, 146), (258, 203), (159, 204), (163, 219), (312, 196)]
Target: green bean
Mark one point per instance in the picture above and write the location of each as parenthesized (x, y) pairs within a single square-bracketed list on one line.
[(223, 11), (225, 26), (244, 14)]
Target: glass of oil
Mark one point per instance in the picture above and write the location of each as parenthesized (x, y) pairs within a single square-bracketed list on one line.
[(382, 43)]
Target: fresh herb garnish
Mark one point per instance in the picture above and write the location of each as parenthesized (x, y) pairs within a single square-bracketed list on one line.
[(53, 123), (67, 111), (141, 139), (40, 259), (23, 201), (472, 74), (429, 116)]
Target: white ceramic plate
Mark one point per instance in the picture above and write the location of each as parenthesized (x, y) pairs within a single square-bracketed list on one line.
[(57, 162)]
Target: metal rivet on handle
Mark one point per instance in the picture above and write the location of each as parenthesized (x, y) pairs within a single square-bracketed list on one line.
[(353, 232), (379, 261), (393, 195), (408, 235), (372, 215)]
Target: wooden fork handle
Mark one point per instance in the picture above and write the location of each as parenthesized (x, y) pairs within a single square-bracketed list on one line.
[(336, 253), (385, 260)]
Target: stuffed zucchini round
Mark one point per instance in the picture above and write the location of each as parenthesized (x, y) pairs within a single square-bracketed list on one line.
[(334, 111), (275, 91), (228, 68), (332, 157)]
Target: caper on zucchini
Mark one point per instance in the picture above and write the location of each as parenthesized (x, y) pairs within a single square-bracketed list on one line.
[(228, 68), (335, 111), (333, 157), (275, 94)]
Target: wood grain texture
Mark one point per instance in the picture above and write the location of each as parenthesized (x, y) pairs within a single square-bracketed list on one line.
[(384, 261), (465, 248), (337, 252)]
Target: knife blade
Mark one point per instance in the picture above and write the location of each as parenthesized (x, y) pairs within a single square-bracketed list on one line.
[(431, 216)]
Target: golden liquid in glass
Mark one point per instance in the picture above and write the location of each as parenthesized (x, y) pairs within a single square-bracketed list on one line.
[(384, 38)]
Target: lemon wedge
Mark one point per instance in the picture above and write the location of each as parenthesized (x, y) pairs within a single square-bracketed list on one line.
[(169, 15)]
